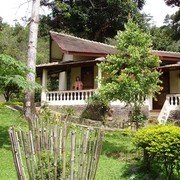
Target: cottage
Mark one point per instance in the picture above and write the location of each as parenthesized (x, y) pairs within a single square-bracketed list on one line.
[(72, 56)]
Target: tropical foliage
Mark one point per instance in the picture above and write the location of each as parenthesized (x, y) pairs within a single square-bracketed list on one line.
[(167, 37), (14, 42), (12, 76)]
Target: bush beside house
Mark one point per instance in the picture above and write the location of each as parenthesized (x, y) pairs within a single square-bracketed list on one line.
[(160, 145)]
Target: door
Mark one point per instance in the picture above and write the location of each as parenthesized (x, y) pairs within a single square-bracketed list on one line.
[(87, 77), (162, 96)]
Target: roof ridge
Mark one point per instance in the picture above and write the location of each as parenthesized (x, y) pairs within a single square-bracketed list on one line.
[(96, 42)]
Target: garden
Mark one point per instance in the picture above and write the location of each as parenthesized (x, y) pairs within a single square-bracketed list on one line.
[(151, 152)]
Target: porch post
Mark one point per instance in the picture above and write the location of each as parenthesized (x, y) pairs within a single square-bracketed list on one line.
[(62, 81), (44, 86), (99, 76), (150, 100)]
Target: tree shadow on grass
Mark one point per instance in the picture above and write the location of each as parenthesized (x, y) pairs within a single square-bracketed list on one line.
[(133, 168), (4, 137), (118, 151), (137, 171)]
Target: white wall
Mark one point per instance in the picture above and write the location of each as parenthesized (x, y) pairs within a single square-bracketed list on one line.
[(62, 81), (67, 57), (55, 51)]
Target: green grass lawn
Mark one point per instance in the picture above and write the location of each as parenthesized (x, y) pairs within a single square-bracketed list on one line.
[(116, 157), (8, 118), (114, 161)]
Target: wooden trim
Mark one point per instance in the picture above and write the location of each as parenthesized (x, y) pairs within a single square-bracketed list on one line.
[(58, 67), (169, 58)]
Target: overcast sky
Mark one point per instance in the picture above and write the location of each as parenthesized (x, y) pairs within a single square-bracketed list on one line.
[(11, 10)]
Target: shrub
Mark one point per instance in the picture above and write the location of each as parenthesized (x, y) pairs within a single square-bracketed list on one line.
[(47, 117), (67, 111), (96, 109), (161, 146)]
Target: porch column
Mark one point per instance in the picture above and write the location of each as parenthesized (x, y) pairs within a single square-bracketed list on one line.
[(63, 81), (99, 76), (150, 103), (44, 86)]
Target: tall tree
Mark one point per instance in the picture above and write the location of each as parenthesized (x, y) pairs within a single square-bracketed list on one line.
[(175, 24), (175, 18), (167, 37), (131, 75), (91, 19), (29, 106), (14, 42), (162, 39)]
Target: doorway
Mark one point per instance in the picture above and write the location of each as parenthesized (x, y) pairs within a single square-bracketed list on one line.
[(158, 104), (87, 77)]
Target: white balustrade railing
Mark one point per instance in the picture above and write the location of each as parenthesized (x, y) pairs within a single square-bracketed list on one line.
[(68, 97), (174, 99), (172, 102), (78, 97)]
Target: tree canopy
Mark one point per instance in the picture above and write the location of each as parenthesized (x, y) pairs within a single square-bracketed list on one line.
[(12, 76), (167, 37), (14, 42), (91, 19)]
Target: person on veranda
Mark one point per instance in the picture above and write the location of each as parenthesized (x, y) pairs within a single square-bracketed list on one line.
[(78, 85)]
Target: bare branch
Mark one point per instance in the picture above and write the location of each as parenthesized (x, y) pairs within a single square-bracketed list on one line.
[(92, 4)]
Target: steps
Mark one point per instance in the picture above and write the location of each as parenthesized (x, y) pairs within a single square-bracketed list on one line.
[(172, 102), (153, 114)]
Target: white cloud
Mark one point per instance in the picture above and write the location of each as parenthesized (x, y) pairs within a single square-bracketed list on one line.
[(12, 10)]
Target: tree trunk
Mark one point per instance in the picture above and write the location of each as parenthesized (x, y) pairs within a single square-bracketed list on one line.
[(29, 107)]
